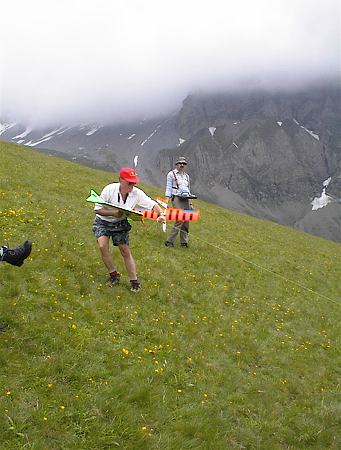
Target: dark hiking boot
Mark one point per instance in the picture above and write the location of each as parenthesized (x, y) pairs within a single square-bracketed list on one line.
[(17, 255), (114, 279), (184, 244), (135, 286), (169, 244), (3, 327)]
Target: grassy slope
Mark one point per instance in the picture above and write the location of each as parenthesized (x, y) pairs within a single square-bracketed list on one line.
[(213, 353)]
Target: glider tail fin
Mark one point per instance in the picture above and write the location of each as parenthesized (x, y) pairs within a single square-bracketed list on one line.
[(94, 197)]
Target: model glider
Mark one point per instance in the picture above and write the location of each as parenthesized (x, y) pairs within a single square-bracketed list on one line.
[(95, 198), (172, 214)]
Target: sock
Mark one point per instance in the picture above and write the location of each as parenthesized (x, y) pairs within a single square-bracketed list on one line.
[(134, 281), (114, 273)]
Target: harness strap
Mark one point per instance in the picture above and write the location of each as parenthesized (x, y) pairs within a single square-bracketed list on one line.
[(176, 180)]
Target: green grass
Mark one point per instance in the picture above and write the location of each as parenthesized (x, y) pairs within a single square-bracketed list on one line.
[(233, 343)]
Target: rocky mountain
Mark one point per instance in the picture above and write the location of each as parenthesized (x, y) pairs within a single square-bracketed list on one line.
[(275, 155), (272, 155), (105, 146)]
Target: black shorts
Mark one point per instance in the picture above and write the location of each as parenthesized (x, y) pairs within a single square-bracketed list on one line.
[(118, 231)]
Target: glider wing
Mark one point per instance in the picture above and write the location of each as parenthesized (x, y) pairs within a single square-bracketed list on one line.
[(95, 198), (172, 214)]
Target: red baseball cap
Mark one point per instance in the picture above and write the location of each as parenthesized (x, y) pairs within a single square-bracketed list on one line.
[(129, 174)]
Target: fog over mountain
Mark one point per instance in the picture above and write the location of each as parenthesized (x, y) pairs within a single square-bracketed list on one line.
[(110, 61)]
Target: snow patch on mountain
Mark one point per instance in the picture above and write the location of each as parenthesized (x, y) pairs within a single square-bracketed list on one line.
[(33, 144), (212, 130), (150, 136), (314, 135), (49, 135), (94, 129), (23, 135), (324, 199), (4, 126), (63, 131)]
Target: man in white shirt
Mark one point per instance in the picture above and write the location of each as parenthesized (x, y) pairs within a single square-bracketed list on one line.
[(178, 190), (112, 223)]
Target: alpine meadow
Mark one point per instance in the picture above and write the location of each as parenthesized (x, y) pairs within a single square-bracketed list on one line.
[(232, 343)]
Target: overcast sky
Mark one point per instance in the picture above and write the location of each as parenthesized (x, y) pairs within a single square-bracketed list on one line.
[(108, 60)]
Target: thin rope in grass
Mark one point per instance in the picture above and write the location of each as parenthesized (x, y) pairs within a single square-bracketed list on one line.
[(265, 269)]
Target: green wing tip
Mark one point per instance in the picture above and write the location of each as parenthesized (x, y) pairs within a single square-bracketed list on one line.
[(93, 196)]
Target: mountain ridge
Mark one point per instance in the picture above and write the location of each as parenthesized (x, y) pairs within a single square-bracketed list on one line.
[(267, 154)]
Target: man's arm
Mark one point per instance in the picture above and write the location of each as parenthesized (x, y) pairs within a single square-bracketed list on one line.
[(189, 190), (146, 202), (112, 212), (169, 185)]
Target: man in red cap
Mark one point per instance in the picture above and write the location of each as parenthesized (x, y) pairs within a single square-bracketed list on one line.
[(112, 223)]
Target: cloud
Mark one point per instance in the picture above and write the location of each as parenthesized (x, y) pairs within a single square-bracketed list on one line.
[(105, 60)]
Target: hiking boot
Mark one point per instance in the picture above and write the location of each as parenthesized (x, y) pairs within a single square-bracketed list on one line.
[(3, 327), (169, 244), (17, 255), (114, 279), (135, 287), (184, 244)]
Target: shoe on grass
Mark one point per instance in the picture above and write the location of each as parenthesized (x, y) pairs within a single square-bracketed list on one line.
[(135, 287), (184, 244), (3, 327), (17, 255), (169, 244), (113, 280)]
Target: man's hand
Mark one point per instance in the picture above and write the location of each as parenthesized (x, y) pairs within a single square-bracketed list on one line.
[(118, 213), (161, 218)]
